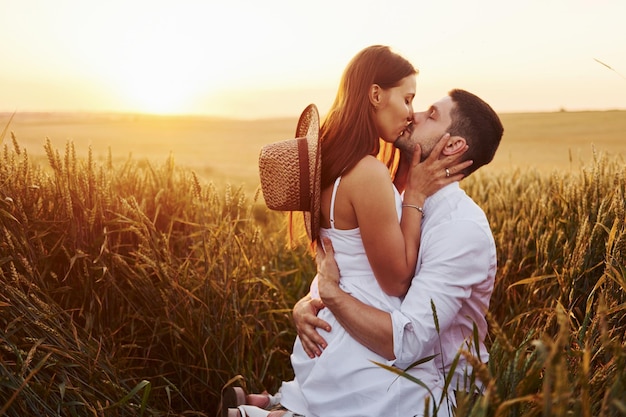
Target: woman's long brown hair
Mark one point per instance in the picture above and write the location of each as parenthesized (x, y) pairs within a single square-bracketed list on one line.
[(348, 133)]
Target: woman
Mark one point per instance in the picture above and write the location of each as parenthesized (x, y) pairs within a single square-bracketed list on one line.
[(369, 224)]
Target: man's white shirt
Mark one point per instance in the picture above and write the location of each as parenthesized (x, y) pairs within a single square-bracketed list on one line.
[(455, 273)]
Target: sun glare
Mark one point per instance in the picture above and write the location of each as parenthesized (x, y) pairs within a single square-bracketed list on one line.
[(156, 82), (159, 93), (158, 64), (157, 67)]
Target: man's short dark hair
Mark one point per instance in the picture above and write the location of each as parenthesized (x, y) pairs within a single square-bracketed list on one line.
[(478, 123)]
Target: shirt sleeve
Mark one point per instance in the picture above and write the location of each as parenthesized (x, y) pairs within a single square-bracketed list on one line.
[(455, 257)]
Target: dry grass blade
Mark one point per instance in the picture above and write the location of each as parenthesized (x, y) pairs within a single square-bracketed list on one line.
[(6, 128)]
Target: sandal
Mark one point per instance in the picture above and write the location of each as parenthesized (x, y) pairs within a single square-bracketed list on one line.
[(232, 396), (263, 400), (252, 411)]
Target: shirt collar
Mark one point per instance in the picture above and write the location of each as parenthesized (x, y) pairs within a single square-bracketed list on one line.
[(442, 194)]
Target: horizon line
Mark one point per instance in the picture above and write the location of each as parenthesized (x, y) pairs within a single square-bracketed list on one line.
[(235, 118)]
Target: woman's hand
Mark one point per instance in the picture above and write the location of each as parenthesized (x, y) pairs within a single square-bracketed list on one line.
[(425, 178)]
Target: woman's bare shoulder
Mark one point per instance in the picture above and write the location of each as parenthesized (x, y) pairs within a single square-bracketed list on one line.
[(367, 179), (369, 165)]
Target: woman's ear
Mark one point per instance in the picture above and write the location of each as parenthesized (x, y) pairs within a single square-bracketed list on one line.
[(375, 95), (455, 145)]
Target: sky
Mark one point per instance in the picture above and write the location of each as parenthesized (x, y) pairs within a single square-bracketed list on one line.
[(270, 58)]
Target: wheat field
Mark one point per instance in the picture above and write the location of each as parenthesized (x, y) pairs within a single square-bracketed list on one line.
[(228, 149), (140, 284)]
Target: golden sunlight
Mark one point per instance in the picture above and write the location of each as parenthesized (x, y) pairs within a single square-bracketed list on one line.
[(155, 90), (158, 65), (170, 66), (156, 79), (154, 63)]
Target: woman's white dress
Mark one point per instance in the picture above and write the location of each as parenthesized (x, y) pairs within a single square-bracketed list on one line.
[(344, 380)]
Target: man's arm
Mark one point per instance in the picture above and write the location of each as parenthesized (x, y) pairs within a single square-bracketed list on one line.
[(457, 265), (368, 325), (457, 259)]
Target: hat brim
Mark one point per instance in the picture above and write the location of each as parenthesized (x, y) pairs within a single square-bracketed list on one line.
[(309, 127), (291, 172)]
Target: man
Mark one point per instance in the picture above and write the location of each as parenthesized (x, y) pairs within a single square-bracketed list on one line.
[(452, 286)]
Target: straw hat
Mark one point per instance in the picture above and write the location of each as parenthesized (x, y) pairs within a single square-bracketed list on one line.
[(291, 172)]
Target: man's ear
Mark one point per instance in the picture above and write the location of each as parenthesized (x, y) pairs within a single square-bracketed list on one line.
[(455, 145), (375, 95)]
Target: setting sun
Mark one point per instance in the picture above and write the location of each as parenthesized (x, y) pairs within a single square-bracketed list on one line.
[(157, 65), (157, 87), (269, 59)]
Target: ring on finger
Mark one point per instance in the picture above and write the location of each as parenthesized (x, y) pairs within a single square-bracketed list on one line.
[(447, 172)]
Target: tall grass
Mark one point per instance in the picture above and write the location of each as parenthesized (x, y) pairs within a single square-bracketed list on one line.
[(558, 321), (135, 289), (168, 280)]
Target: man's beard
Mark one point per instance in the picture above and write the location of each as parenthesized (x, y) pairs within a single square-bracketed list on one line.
[(407, 144), (404, 142)]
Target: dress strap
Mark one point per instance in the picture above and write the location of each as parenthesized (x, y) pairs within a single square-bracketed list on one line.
[(332, 202)]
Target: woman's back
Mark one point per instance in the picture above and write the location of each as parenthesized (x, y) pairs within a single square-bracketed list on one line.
[(350, 254)]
